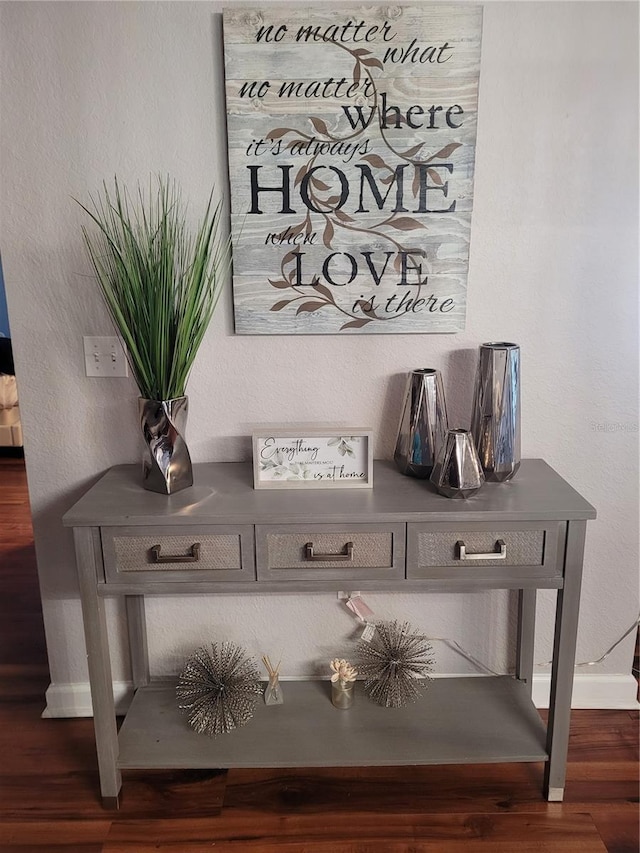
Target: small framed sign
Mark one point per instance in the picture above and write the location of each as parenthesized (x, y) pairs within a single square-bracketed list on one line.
[(313, 458)]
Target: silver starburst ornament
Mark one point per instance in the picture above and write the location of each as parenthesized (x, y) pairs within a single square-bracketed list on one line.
[(218, 689), (395, 664)]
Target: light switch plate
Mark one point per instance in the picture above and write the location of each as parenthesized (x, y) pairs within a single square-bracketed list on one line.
[(104, 356)]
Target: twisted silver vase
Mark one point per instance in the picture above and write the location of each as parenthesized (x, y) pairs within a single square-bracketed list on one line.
[(166, 464), (458, 472), (495, 421), (423, 423)]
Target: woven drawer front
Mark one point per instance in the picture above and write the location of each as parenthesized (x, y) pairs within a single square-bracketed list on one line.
[(286, 551), (362, 552), (226, 553), (216, 552), (524, 547)]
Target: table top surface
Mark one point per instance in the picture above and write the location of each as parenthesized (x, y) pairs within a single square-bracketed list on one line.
[(223, 493)]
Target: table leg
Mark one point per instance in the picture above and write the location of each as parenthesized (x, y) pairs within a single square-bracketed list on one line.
[(562, 670), (526, 636), (96, 637), (138, 650)]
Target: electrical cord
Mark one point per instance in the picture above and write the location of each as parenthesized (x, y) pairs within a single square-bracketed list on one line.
[(456, 647), (465, 654), (609, 650)]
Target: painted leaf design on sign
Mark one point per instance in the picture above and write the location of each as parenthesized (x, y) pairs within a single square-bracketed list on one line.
[(320, 185), (372, 62), (279, 132), (302, 171), (355, 324), (327, 237), (361, 51), (375, 160), (405, 223), (415, 186), (435, 177), (279, 284), (310, 307), (445, 152), (287, 259), (356, 73), (280, 305), (411, 152), (344, 217), (319, 125), (323, 290)]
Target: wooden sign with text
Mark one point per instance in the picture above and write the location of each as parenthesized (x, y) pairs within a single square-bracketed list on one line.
[(319, 458), (351, 155)]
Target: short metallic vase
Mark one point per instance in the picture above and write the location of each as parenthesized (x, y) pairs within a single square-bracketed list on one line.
[(458, 472), (166, 463), (342, 694), (423, 423), (495, 421)]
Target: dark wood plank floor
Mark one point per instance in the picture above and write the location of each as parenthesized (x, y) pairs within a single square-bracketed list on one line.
[(50, 802)]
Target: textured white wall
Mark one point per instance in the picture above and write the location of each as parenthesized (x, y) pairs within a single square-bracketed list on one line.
[(94, 89)]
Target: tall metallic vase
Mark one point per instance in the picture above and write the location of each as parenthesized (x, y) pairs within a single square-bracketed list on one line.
[(495, 422), (166, 463), (458, 472), (423, 424)]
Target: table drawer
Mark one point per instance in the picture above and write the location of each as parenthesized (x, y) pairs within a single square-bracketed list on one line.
[(477, 550), (210, 553), (330, 551)]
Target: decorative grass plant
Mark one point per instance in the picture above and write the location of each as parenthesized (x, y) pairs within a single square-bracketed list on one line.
[(160, 280)]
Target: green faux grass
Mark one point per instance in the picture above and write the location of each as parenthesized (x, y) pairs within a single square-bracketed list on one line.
[(160, 280)]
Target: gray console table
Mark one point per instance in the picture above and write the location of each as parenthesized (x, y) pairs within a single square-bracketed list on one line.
[(524, 535)]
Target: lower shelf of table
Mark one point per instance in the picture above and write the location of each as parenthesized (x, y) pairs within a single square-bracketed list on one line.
[(472, 720)]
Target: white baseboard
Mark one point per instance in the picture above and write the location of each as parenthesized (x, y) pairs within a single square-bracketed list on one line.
[(612, 692), (608, 692), (73, 699)]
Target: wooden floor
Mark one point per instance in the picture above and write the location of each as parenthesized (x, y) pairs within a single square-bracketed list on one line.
[(49, 792)]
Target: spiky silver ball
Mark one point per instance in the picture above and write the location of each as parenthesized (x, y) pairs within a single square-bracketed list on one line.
[(218, 689), (395, 664)]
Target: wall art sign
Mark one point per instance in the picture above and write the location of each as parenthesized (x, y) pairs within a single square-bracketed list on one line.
[(323, 458), (351, 156)]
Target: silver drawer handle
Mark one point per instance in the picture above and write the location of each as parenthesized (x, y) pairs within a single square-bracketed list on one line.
[(500, 552), (193, 557), (346, 556)]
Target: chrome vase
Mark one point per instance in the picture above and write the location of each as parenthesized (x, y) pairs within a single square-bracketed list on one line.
[(342, 694), (458, 472), (495, 421), (423, 423), (166, 463)]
